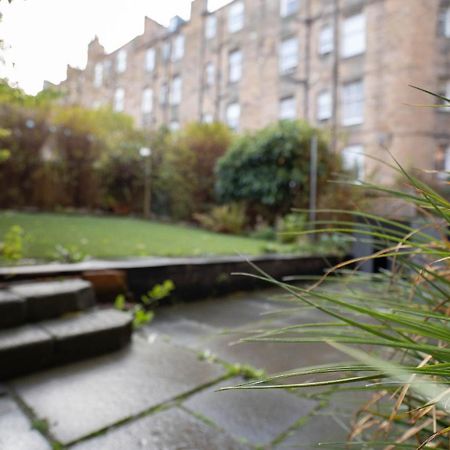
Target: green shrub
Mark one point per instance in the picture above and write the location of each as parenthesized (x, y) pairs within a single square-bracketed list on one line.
[(11, 249), (269, 170), (289, 227), (229, 219)]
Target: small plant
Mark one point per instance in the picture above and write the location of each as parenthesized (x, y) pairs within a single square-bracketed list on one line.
[(289, 227), (40, 425), (69, 254), (229, 218), (11, 249), (141, 313), (245, 371)]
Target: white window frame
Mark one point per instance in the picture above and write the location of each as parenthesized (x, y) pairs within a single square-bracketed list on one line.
[(352, 103), (210, 26), (289, 7), (176, 90), (353, 160), (207, 118), (288, 55), (234, 66), (326, 40), (119, 100), (163, 93), (353, 37), (98, 74), (174, 125), (446, 22), (147, 101), (165, 50), (233, 115), (178, 48), (150, 59), (210, 74), (287, 108), (324, 105), (121, 61), (236, 13), (445, 92)]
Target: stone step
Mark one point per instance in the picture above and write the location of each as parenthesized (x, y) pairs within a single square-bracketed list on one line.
[(31, 302), (33, 347)]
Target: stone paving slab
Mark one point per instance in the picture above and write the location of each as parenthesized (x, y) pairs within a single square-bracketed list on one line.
[(89, 333), (270, 356), (318, 429), (226, 312), (15, 429), (23, 349), (82, 398), (173, 429), (12, 309), (257, 416), (49, 299)]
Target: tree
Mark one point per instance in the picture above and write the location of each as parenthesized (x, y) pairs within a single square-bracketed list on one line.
[(269, 170)]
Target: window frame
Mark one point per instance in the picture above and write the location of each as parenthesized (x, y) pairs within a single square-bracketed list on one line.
[(326, 40), (324, 110), (286, 10), (150, 61), (147, 101), (284, 100), (210, 30), (235, 66), (349, 31), (355, 154), (119, 100), (284, 55), (348, 103), (236, 17), (237, 117), (176, 87), (121, 61)]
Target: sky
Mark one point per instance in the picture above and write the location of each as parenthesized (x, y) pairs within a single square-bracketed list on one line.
[(42, 36)]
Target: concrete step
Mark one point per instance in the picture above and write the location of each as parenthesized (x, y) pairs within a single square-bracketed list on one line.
[(31, 302), (33, 347)]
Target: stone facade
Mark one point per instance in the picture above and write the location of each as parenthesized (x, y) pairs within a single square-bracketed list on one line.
[(346, 66)]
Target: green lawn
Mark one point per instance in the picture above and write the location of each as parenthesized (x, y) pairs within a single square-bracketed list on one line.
[(109, 237)]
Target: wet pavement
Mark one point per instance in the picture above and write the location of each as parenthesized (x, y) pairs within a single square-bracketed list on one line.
[(161, 393)]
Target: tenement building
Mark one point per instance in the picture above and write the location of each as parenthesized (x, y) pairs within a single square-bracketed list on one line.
[(345, 65)]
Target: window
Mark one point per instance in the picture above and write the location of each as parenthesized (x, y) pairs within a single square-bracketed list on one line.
[(166, 51), (163, 93), (236, 17), (288, 7), (288, 57), (353, 36), (233, 115), (98, 75), (210, 27), (287, 108), (174, 125), (326, 40), (178, 48), (209, 74), (150, 59), (447, 160), (121, 61), (234, 66), (353, 161), (119, 100), (445, 21), (445, 92), (324, 105), (175, 91), (207, 118), (147, 101), (353, 103)]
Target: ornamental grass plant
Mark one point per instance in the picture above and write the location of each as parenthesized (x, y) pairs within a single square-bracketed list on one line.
[(392, 327)]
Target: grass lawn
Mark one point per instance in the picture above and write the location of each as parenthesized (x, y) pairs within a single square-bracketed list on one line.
[(111, 237)]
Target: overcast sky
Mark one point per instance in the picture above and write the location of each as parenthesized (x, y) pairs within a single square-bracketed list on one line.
[(43, 36)]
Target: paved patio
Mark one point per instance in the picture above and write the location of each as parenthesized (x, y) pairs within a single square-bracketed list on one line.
[(161, 393)]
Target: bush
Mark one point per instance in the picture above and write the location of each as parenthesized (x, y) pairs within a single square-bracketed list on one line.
[(289, 227), (269, 170), (187, 167), (229, 219)]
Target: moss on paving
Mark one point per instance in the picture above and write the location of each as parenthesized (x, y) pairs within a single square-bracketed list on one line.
[(116, 237)]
